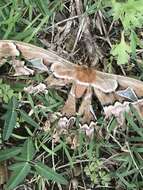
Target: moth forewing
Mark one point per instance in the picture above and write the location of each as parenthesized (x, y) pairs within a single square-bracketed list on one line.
[(63, 70), (128, 93), (126, 82), (105, 82), (29, 51), (105, 98), (8, 49)]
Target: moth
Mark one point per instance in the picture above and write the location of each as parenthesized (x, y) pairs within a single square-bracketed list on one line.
[(116, 93)]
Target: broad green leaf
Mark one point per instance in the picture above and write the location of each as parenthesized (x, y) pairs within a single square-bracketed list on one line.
[(117, 9), (49, 173), (16, 166), (50, 152), (122, 158), (28, 119), (28, 150), (112, 125), (121, 51), (135, 139), (8, 153), (19, 159), (10, 118), (18, 175), (24, 34), (129, 12)]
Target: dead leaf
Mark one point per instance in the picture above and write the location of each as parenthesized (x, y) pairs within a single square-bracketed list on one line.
[(73, 140), (3, 172), (20, 68), (65, 123), (2, 61), (88, 129), (36, 89), (117, 110), (8, 49)]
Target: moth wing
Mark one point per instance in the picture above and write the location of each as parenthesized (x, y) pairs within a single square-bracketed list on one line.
[(105, 82), (7, 49), (104, 98), (128, 93), (126, 82), (63, 70), (79, 90), (85, 109), (69, 108), (29, 51)]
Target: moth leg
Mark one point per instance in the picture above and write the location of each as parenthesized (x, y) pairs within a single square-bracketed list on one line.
[(86, 110), (69, 108)]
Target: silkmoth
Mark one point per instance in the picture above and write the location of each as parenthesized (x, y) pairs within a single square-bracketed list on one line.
[(114, 92)]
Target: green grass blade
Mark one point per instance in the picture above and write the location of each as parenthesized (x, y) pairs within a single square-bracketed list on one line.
[(28, 150), (28, 119), (18, 176), (9, 152), (49, 173), (10, 118)]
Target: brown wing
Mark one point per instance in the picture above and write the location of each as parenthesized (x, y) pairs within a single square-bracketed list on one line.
[(108, 88), (136, 85), (28, 51)]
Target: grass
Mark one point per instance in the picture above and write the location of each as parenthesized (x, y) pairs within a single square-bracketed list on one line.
[(39, 155)]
